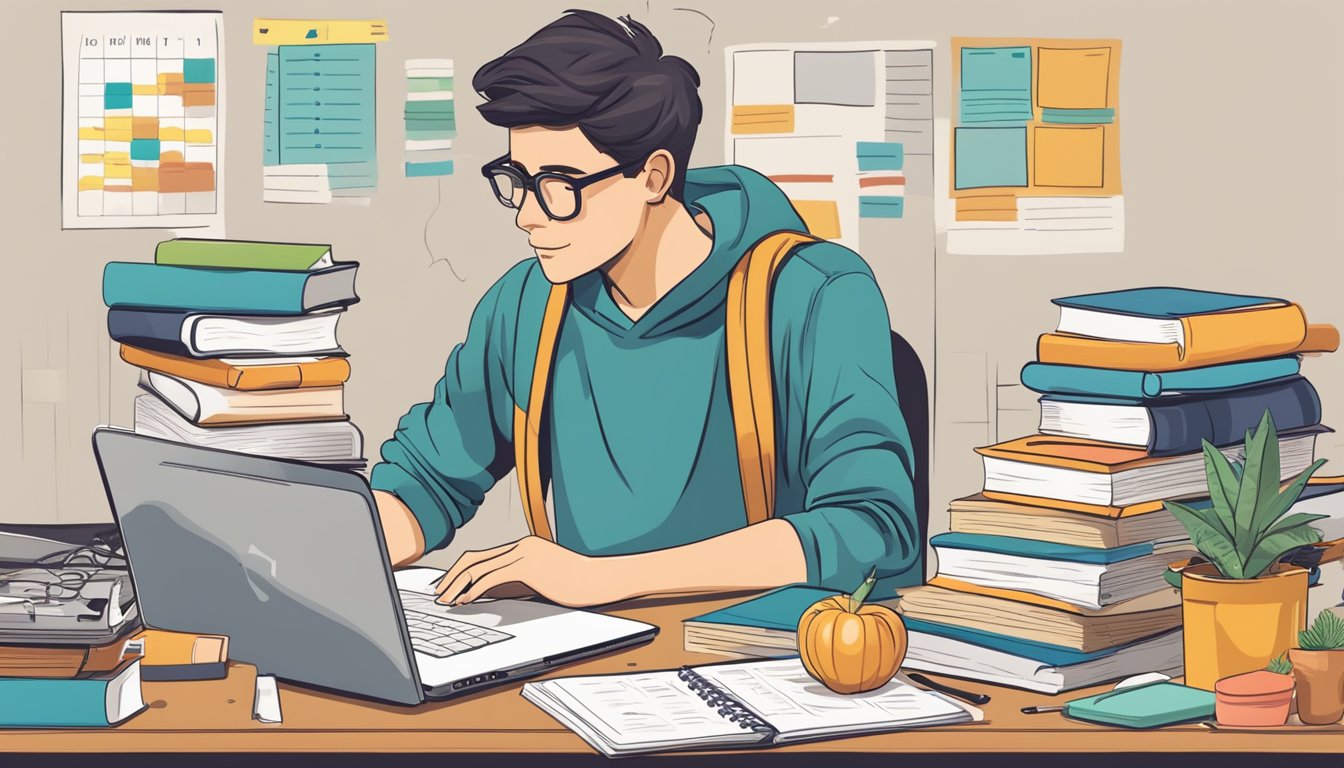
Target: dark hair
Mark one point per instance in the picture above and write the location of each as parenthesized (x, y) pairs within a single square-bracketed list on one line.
[(608, 77)]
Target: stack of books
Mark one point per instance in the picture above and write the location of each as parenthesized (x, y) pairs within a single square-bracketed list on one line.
[(236, 345), (1052, 577)]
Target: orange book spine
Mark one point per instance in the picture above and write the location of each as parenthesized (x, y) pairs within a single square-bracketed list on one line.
[(1207, 344), (326, 372)]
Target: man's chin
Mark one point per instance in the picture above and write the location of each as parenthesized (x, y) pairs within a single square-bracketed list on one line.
[(556, 269)]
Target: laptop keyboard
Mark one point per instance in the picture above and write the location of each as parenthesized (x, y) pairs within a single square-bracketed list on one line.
[(440, 637)]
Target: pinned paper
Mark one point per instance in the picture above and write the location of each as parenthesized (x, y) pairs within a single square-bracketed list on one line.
[(317, 31), (991, 157), (1074, 78), (1068, 156), (996, 85), (430, 119), (772, 118)]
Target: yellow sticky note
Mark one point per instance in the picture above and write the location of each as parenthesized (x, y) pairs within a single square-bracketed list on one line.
[(822, 217), (768, 118), (1069, 156), (199, 136), (87, 183), (1073, 78), (317, 31)]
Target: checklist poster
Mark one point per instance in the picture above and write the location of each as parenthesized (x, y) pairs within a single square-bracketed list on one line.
[(143, 120)]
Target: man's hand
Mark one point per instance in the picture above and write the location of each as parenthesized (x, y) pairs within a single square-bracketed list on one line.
[(544, 568)]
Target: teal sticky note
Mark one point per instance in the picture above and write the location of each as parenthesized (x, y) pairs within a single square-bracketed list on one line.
[(991, 157), (116, 96), (996, 85), (879, 207), (198, 70), (880, 156), (144, 149), (1078, 116), (441, 168)]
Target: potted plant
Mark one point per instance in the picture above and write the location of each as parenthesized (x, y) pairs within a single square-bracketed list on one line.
[(1243, 607), (1256, 699), (1318, 664)]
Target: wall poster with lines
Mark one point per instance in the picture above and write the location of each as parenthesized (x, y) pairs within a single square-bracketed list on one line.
[(142, 119)]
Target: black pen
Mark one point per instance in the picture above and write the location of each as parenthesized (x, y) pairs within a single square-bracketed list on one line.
[(1040, 710), (974, 698)]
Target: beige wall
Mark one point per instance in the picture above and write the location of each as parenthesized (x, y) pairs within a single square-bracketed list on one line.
[(1229, 157)]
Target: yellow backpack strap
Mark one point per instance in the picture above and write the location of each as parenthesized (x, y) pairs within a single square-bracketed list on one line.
[(750, 367), (527, 424)]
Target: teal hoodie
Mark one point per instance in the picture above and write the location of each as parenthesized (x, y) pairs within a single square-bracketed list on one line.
[(642, 453)]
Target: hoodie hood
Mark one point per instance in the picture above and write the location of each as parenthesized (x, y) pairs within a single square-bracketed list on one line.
[(744, 207)]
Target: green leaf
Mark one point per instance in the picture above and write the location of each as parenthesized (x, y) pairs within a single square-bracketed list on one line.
[(1210, 540), (861, 594), (1223, 482), (1262, 467), (1272, 547), (1295, 519), (1237, 467), (1285, 499), (1280, 664), (1325, 634)]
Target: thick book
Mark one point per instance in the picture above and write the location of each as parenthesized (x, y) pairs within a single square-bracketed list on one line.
[(995, 517), (1181, 424), (1052, 379), (62, 660), (1256, 343), (235, 291), (1072, 469), (248, 374), (204, 335), (1082, 576), (332, 443), (243, 254), (1081, 629), (994, 658), (762, 627), (754, 704), (1161, 315), (1316, 484), (89, 702), (207, 406)]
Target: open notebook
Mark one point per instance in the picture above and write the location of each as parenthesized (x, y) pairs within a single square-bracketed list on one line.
[(756, 703)]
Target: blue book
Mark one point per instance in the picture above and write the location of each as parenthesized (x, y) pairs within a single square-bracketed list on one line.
[(94, 702), (779, 609), (1164, 303), (1044, 550), (1051, 379), (1181, 423), (228, 291)]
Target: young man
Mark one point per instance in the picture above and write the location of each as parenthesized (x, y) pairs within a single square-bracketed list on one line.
[(638, 439)]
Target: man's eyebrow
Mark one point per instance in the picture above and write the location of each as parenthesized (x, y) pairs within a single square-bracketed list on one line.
[(562, 169)]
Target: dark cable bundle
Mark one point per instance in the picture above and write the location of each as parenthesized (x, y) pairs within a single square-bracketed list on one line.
[(723, 703)]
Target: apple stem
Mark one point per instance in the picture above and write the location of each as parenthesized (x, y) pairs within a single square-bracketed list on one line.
[(861, 594)]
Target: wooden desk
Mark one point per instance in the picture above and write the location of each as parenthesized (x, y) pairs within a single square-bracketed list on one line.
[(499, 726)]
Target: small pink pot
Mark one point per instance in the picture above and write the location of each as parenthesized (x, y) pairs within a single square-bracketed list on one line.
[(1254, 699)]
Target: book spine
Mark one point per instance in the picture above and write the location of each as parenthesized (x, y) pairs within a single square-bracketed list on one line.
[(1237, 335), (204, 290), (1182, 427), (1062, 349), (230, 254), (39, 703), (1136, 385), (158, 331), (724, 703)]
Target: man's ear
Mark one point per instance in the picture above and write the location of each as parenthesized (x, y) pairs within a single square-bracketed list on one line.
[(658, 172)]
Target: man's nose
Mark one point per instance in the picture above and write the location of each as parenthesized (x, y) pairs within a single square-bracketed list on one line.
[(530, 216)]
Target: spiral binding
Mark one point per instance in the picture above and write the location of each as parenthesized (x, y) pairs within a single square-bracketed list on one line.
[(724, 703)]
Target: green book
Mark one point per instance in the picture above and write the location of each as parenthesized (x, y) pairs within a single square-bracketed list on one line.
[(243, 254), (1144, 706)]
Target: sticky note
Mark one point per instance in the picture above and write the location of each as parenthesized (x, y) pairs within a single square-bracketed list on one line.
[(880, 156), (1074, 78), (198, 70), (1068, 156), (822, 217), (439, 168), (879, 207), (776, 118), (996, 84), (1078, 116), (144, 149), (991, 157)]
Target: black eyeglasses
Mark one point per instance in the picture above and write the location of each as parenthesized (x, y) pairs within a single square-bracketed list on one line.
[(560, 196)]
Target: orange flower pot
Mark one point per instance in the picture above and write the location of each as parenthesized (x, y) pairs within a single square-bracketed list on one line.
[(1255, 699), (1238, 625)]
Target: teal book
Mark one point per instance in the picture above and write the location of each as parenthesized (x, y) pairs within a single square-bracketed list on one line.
[(242, 254), (1165, 302), (1052, 379), (228, 291), (1045, 550), (93, 702), (778, 609), (1144, 706)]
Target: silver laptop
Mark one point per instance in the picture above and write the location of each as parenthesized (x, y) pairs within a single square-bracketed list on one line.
[(288, 560)]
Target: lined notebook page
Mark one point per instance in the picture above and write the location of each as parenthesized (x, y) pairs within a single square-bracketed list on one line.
[(782, 693), (639, 711)]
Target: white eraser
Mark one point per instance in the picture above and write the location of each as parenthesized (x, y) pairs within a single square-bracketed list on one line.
[(266, 704)]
